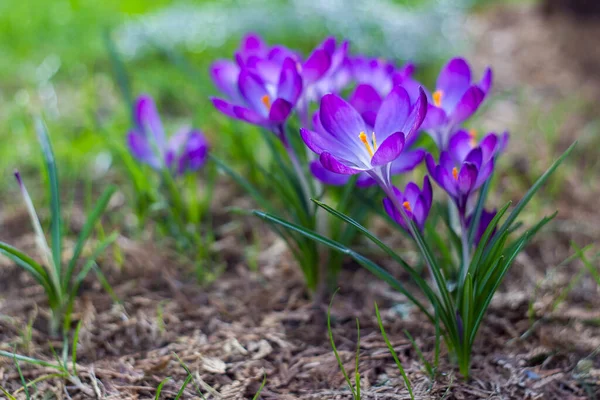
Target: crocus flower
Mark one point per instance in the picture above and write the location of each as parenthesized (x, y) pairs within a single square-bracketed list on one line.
[(416, 203), (262, 103), (455, 99), (325, 70), (484, 221), (406, 162), (343, 145), (186, 150), (458, 176)]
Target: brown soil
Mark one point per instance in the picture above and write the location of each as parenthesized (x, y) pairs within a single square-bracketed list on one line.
[(250, 324)]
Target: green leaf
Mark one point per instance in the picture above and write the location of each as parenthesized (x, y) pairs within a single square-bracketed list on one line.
[(120, 72), (8, 395), (393, 352), (54, 190), (479, 209), (31, 360), (411, 271), (31, 266), (365, 262), (262, 385), (160, 387), (74, 347), (335, 352), (87, 230)]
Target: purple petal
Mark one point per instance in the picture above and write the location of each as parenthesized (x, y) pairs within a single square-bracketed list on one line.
[(316, 66), (266, 70), (224, 74), (251, 44), (467, 105), (427, 192), (459, 146), (319, 143), (434, 118), (334, 165), (327, 177), (366, 99), (141, 149), (488, 146), (280, 111), (431, 166), (467, 177), (148, 120), (475, 156), (254, 92), (224, 107), (486, 81), (365, 180), (412, 193), (290, 82), (407, 161), (248, 115), (393, 113), (419, 212), (447, 182), (484, 173), (341, 120), (389, 150), (453, 81), (195, 153), (417, 115)]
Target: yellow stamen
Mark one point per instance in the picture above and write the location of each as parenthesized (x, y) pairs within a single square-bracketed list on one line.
[(406, 205), (455, 173), (266, 100), (374, 141), (473, 135), (363, 138), (437, 98)]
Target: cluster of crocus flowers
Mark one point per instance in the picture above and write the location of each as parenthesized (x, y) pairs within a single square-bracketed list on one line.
[(372, 132), (185, 151)]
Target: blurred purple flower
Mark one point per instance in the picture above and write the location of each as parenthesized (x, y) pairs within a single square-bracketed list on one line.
[(186, 150), (460, 175), (261, 103), (455, 99), (416, 204), (343, 145)]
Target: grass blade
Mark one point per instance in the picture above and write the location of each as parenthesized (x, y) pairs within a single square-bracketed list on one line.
[(365, 262), (87, 230), (54, 190), (74, 347), (393, 352), (335, 352), (262, 385), (160, 387)]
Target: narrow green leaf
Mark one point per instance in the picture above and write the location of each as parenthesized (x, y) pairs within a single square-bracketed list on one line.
[(25, 387), (182, 389), (54, 190), (393, 352), (87, 230), (262, 385), (30, 360), (119, 70), (160, 387), (335, 352), (74, 347), (8, 395), (365, 262), (420, 355), (29, 264)]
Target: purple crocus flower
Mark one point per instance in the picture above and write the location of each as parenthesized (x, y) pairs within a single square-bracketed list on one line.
[(459, 176), (186, 150), (261, 103), (416, 204), (406, 162), (455, 99), (343, 145), (484, 220), (325, 70)]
